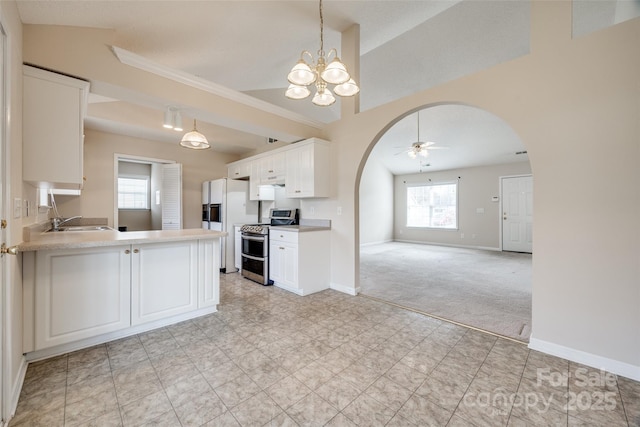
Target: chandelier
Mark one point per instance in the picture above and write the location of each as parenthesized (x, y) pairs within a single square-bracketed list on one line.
[(194, 139), (319, 72)]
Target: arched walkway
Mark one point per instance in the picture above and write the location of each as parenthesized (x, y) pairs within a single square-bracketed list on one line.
[(458, 272)]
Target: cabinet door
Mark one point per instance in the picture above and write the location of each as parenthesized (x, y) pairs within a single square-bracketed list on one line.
[(239, 170), (256, 190), (81, 293), (283, 264), (272, 168), (308, 172), (164, 280), (237, 249), (53, 111), (208, 273), (276, 262)]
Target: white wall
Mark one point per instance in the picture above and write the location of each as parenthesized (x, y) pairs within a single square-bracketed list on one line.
[(476, 187), (376, 203)]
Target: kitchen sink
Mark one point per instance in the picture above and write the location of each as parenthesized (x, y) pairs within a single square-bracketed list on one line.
[(82, 228)]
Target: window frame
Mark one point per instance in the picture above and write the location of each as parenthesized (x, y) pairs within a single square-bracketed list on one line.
[(455, 183), (147, 180)]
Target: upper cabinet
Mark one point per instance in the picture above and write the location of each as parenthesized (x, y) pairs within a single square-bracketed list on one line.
[(54, 106), (303, 168), (272, 169), (308, 171), (239, 170)]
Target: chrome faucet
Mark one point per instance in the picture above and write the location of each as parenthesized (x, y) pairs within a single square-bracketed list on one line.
[(58, 221)]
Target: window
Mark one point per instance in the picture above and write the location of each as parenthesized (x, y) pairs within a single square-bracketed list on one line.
[(133, 192), (433, 205)]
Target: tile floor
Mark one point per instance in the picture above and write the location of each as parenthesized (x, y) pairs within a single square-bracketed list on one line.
[(271, 358)]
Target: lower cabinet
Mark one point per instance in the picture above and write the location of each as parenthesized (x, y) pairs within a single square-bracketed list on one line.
[(75, 294), (80, 294), (164, 280), (299, 261)]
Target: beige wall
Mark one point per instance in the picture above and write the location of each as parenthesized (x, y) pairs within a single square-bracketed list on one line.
[(97, 199), (574, 104), (376, 203), (476, 187)]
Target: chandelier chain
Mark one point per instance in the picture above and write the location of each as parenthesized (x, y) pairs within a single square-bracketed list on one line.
[(321, 30)]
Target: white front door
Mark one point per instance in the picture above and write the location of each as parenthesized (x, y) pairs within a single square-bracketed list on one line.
[(517, 213)]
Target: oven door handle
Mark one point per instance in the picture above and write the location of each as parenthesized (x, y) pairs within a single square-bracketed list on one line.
[(255, 239), (255, 258)]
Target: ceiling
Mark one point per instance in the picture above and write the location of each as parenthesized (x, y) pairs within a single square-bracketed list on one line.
[(249, 46)]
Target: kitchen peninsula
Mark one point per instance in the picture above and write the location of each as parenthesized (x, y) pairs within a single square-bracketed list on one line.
[(81, 288)]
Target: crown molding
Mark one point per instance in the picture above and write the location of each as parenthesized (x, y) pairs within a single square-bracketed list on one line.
[(137, 61)]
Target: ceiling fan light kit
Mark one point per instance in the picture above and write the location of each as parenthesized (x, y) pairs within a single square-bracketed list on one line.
[(304, 74)]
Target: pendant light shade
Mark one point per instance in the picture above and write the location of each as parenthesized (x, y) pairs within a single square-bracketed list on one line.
[(323, 96), (297, 92), (348, 88), (194, 139), (336, 73)]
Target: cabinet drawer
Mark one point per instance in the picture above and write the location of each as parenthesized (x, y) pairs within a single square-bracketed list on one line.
[(283, 236)]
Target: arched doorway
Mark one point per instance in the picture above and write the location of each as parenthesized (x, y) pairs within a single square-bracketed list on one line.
[(431, 226)]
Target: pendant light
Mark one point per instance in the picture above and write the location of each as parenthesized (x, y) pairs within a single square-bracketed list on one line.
[(194, 139)]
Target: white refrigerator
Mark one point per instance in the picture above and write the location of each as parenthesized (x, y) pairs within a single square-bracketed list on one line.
[(225, 203)]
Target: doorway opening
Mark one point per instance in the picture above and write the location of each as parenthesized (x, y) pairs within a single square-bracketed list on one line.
[(147, 194), (442, 254)]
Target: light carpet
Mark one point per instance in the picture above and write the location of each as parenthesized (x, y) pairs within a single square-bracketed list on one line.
[(488, 290)]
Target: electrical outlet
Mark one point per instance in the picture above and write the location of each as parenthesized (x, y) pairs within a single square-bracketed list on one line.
[(312, 210), (339, 210)]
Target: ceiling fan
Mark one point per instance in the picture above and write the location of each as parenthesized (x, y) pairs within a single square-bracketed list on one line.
[(419, 148)]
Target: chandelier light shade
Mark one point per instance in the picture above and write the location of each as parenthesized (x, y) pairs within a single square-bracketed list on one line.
[(194, 139), (317, 71)]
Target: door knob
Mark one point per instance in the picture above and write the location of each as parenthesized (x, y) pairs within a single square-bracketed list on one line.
[(11, 250)]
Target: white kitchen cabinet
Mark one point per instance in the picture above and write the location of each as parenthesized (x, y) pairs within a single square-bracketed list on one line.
[(73, 296), (164, 280), (237, 235), (272, 169), (239, 170), (299, 261), (78, 293), (308, 170), (257, 191), (283, 260), (54, 106), (208, 273)]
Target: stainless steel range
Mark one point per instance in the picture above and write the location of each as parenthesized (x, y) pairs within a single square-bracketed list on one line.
[(255, 245)]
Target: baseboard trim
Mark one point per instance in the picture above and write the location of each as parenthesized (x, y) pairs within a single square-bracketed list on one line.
[(484, 248), (345, 289), (111, 336), (599, 362), (362, 245)]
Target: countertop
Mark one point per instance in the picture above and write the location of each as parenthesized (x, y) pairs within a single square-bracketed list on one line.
[(91, 239), (299, 228)]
